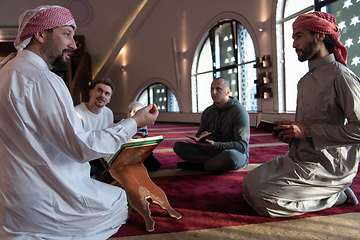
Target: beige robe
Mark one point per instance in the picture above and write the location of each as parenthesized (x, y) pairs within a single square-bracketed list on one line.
[(316, 170)]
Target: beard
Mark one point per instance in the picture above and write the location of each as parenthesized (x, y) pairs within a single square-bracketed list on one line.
[(101, 104), (59, 64), (56, 58), (309, 52)]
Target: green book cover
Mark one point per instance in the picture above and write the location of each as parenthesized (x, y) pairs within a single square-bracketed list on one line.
[(133, 143)]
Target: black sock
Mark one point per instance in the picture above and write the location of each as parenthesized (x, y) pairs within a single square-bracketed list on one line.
[(191, 166)]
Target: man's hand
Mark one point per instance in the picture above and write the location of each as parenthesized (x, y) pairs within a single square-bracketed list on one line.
[(203, 133), (290, 130), (146, 116), (208, 143)]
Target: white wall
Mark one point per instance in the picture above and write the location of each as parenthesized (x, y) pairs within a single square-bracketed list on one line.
[(148, 55), (144, 29)]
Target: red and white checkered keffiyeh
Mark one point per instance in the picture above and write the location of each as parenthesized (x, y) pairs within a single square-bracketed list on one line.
[(323, 23), (37, 20)]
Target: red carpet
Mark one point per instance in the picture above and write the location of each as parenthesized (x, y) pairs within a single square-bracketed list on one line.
[(263, 154), (168, 160), (256, 155), (176, 132), (209, 201)]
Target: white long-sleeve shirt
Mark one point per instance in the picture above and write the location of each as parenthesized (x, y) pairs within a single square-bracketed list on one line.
[(45, 186)]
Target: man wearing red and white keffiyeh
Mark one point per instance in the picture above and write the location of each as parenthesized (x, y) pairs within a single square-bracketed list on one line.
[(325, 23), (322, 161), (37, 20), (45, 187)]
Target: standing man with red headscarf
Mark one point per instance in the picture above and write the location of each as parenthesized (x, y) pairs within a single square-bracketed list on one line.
[(325, 137), (45, 184)]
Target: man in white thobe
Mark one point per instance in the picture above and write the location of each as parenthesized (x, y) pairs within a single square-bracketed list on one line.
[(323, 159), (46, 190)]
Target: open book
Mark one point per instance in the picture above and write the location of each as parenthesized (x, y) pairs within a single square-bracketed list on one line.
[(199, 139), (132, 152), (265, 123)]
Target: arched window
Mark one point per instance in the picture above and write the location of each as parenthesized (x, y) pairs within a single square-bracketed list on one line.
[(161, 95), (290, 70), (227, 51)]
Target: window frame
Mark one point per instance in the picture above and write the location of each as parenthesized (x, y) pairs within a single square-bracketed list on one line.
[(201, 41), (168, 91), (279, 69)]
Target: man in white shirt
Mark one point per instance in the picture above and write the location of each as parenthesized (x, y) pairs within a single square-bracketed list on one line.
[(95, 115), (45, 188)]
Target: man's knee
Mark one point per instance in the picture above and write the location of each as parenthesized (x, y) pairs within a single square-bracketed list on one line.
[(181, 147), (236, 158), (178, 146)]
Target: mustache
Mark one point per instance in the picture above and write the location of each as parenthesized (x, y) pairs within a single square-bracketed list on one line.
[(68, 50), (101, 98)]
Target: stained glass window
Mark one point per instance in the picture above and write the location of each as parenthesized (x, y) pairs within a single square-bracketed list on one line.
[(227, 51), (161, 95), (347, 14)]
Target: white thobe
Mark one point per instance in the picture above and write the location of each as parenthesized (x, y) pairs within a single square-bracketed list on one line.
[(46, 190), (311, 176)]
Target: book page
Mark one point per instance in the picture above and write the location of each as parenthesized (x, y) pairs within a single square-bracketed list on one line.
[(139, 140), (267, 118), (191, 137), (202, 137), (108, 158)]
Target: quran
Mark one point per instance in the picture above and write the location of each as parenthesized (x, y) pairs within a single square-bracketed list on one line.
[(265, 123), (132, 152), (201, 138), (127, 168)]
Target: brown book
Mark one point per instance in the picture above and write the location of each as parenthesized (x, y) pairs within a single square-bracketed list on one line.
[(265, 123), (199, 139), (133, 151)]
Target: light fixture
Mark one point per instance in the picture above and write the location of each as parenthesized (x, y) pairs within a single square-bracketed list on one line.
[(261, 26), (182, 55), (123, 68)]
